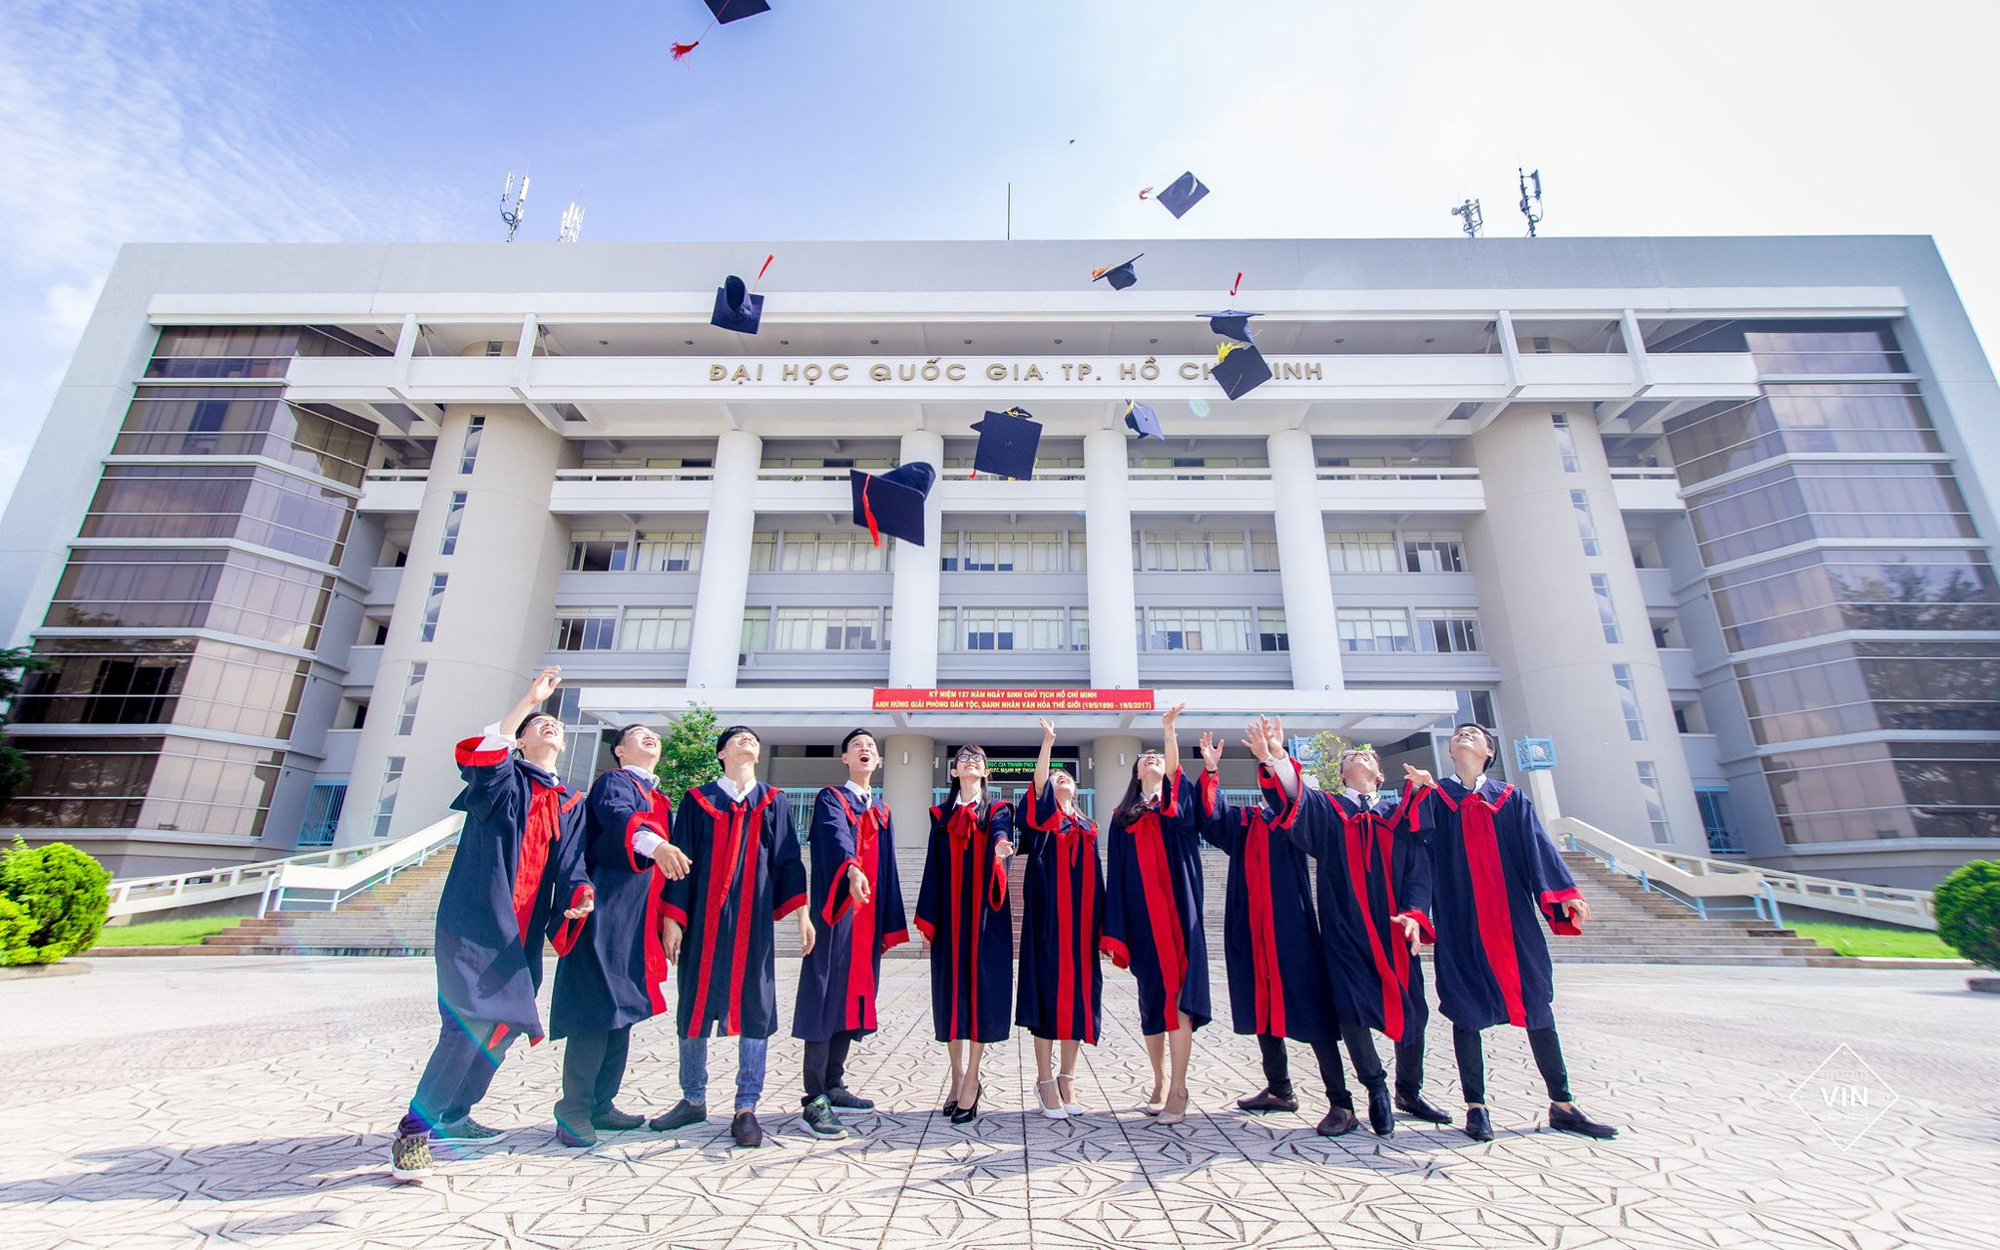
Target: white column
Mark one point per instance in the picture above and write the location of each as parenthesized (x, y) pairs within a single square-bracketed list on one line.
[(1114, 646), (906, 788), (1302, 563), (913, 649), (1111, 757), (717, 636)]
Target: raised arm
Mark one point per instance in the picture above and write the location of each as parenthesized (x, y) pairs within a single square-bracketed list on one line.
[(487, 761), (1042, 760), (1221, 826), (1173, 744)]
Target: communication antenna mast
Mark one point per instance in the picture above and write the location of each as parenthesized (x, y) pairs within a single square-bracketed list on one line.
[(572, 223), (1531, 204), (1469, 218), (513, 207)]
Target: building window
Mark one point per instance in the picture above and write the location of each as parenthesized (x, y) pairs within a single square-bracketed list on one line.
[(1362, 552), (322, 813), (1656, 806), (837, 552), (1607, 614), (756, 629), (1434, 553), (1079, 629), (1014, 629), (433, 605), (1169, 552), (1718, 821), (1448, 630), (453, 518), (1628, 699), (413, 690), (600, 551), (1200, 629), (980, 552), (385, 804), (586, 629), (1272, 635), (676, 551), (1586, 528), (1565, 442), (656, 629), (469, 454), (1374, 629), (826, 629)]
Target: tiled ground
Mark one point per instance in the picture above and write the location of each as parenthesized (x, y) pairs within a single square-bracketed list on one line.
[(176, 1102)]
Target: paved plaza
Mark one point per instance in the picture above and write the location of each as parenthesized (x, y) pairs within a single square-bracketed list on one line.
[(176, 1102)]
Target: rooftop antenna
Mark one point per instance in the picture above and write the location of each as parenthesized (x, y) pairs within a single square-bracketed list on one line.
[(1469, 218), (1531, 204), (513, 207), (572, 224)]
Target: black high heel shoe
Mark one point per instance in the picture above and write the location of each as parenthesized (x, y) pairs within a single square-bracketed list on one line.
[(967, 1114)]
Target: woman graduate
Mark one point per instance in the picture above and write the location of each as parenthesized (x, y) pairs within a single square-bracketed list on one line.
[(1062, 920), (964, 913), (1270, 939), (856, 901), (1495, 876), (1152, 914)]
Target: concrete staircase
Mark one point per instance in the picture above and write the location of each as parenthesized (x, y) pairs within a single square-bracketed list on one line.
[(397, 918), (1630, 924)]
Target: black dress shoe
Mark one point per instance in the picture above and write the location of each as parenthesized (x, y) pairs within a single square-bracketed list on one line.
[(680, 1115), (575, 1139), (847, 1100), (970, 1112), (611, 1119), (744, 1128), (1381, 1119), (1269, 1100), (1414, 1105), (1338, 1122), (1478, 1125), (1575, 1121)]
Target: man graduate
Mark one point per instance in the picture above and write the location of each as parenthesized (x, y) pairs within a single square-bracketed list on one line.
[(747, 873), (613, 978), (516, 881), (1494, 876), (856, 904)]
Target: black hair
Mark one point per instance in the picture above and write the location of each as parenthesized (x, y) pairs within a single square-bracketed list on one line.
[(852, 734), (625, 731), (531, 718), (985, 791), (722, 739), (1133, 803), (1492, 743)]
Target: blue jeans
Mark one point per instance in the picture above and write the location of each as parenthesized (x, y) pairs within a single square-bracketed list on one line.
[(750, 1054)]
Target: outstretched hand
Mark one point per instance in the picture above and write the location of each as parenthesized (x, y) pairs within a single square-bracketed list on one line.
[(1417, 777), (1211, 751), (1048, 731), (545, 683), (583, 908), (674, 863)]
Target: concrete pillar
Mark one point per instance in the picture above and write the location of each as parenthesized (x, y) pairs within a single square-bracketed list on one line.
[(1111, 757), (493, 626), (1302, 563), (906, 787), (1114, 643), (913, 648), (716, 638)]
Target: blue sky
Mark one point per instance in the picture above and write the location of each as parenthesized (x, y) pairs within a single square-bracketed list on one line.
[(878, 119)]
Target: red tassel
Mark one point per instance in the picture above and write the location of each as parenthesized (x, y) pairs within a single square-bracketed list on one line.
[(682, 49), (1144, 192), (1239, 282), (767, 264), (868, 514)]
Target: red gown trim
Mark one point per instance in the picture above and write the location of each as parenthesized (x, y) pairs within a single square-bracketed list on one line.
[(733, 850), (1489, 896), (858, 1010)]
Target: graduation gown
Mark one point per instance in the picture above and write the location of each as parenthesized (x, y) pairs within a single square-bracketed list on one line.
[(614, 976), (1270, 938), (964, 912), (1062, 920), (1152, 907), (1495, 876), (518, 867), (747, 875), (1372, 869), (838, 980)]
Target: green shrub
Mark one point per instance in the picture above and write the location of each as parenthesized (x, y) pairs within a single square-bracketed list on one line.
[(687, 753), (1968, 912), (15, 926), (60, 891)]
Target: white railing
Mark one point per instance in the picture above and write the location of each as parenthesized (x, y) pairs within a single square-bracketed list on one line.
[(634, 473), (805, 473), (1199, 473), (1693, 880), (1643, 474), (1043, 473), (1413, 473), (398, 475)]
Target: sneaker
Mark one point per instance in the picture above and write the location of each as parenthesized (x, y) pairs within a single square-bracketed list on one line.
[(467, 1129), (847, 1100), (680, 1115), (819, 1117), (748, 1133), (611, 1119), (576, 1138), (410, 1157), (1575, 1121)]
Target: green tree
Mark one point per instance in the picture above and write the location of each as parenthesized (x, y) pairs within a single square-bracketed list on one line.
[(1325, 767), (687, 752), (15, 664), (62, 892), (1968, 912)]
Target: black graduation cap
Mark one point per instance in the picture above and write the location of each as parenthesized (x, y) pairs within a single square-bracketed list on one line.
[(1185, 193), (727, 11), (1119, 276), (1241, 369), (736, 308), (1007, 443), (1142, 420), (893, 501), (1231, 324)]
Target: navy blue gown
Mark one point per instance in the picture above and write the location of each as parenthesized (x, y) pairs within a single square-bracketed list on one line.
[(1062, 921), (747, 875), (965, 914), (614, 977), (838, 980), (1152, 912)]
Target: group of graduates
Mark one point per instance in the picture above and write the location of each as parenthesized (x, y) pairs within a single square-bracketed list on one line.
[(624, 884)]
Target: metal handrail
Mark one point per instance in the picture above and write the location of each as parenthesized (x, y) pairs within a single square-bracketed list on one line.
[(407, 853), (1438, 473)]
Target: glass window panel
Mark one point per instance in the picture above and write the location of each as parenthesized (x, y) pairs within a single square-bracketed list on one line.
[(1362, 552), (433, 605), (468, 455), (454, 517), (1586, 528), (413, 691), (1565, 443), (1656, 804), (1607, 613), (656, 629), (1374, 629), (385, 803), (1628, 699)]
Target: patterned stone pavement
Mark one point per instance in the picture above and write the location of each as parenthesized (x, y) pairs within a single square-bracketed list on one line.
[(177, 1102)]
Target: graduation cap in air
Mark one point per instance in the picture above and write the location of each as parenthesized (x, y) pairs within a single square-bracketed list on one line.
[(1231, 324), (722, 12), (1142, 420), (893, 502), (1007, 443), (1184, 193), (736, 308), (1119, 276), (1240, 368)]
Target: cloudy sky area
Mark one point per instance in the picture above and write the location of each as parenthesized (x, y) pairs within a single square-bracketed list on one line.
[(317, 120)]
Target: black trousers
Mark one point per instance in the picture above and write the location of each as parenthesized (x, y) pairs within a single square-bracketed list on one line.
[(1410, 1051), (460, 1070), (1360, 1045), (826, 1065), (1545, 1045), (593, 1069)]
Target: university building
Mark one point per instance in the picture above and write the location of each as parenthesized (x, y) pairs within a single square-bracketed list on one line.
[(1712, 516)]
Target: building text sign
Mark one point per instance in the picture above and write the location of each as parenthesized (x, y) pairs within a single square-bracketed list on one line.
[(1011, 699), (946, 371)]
